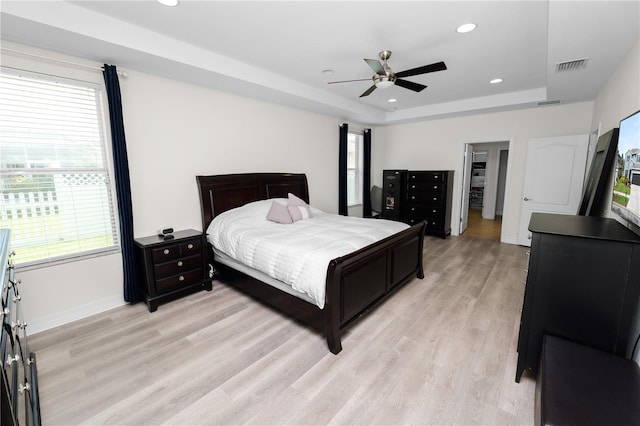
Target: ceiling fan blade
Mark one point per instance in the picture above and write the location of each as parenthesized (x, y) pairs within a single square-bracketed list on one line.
[(438, 66), (348, 81), (416, 87), (376, 66), (368, 91)]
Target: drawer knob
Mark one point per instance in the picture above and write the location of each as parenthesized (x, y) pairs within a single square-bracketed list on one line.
[(434, 211), (166, 251), (413, 186), (434, 198), (190, 246), (435, 186), (179, 262), (181, 278), (413, 209), (435, 177), (12, 359), (413, 197), (25, 387)]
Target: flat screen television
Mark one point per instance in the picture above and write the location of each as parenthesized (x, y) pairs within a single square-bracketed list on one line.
[(595, 197), (626, 189)]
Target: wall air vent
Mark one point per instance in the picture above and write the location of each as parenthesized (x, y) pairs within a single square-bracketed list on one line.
[(543, 103), (576, 65)]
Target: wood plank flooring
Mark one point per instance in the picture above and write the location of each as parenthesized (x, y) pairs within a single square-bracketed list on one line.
[(441, 351), (479, 227)]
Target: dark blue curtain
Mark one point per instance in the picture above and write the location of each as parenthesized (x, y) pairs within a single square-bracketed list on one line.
[(132, 292), (366, 173), (342, 171)]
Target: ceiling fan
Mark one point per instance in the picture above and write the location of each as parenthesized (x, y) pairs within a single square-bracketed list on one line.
[(384, 77)]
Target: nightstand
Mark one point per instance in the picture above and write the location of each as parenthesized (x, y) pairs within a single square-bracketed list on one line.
[(171, 268)]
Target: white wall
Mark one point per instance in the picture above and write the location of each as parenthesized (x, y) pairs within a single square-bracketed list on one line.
[(439, 145), (176, 131), (619, 98)]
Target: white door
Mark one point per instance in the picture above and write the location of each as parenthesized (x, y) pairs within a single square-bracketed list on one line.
[(553, 178), (466, 184)]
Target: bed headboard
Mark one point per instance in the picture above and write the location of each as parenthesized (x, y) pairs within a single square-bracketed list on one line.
[(219, 193)]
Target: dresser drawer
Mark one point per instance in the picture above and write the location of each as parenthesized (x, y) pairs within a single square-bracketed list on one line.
[(425, 199), (434, 211), (432, 224), (181, 280), (177, 266), (425, 187), (425, 177)]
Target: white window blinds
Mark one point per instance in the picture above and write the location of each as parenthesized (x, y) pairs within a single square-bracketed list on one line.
[(354, 168), (54, 183)]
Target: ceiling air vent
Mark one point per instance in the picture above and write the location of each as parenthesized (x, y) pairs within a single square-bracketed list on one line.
[(542, 103), (576, 65)]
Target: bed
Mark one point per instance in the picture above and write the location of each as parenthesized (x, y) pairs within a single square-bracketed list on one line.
[(355, 282)]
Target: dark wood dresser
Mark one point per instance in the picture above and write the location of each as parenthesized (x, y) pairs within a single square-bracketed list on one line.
[(19, 394), (428, 198), (172, 267), (582, 285)]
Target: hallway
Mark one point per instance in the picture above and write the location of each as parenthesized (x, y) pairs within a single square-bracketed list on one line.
[(482, 228)]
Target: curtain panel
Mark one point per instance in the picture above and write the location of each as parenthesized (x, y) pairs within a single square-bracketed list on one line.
[(342, 171), (366, 173), (132, 292)]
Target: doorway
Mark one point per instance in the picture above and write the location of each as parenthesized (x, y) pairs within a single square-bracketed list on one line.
[(483, 191)]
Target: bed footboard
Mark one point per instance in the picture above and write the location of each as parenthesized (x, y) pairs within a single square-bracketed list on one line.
[(361, 280)]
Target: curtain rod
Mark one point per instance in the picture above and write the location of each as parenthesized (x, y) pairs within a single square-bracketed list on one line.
[(123, 74), (355, 129)]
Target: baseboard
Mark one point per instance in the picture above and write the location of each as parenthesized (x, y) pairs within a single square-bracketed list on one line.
[(47, 322)]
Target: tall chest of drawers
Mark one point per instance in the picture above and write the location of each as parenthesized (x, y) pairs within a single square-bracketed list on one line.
[(171, 268), (428, 198), (19, 395)]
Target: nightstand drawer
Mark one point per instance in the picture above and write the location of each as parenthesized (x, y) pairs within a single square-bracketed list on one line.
[(190, 247), (178, 266), (166, 253), (176, 281)]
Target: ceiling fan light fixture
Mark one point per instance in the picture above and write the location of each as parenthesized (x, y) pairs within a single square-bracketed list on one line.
[(384, 81), (465, 28), (496, 81), (392, 100)]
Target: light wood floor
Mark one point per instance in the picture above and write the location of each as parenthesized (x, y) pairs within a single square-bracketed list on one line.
[(483, 228), (441, 351)]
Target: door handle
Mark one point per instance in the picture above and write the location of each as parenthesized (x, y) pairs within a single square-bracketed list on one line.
[(527, 199)]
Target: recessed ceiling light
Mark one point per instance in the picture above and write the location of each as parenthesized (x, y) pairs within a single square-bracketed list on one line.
[(465, 28), (496, 80), (392, 100), (168, 2), (328, 72)]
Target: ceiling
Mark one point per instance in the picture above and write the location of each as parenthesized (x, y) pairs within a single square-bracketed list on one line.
[(276, 50)]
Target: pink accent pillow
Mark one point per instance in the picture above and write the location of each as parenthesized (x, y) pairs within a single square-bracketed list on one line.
[(295, 201), (299, 212), (279, 213)]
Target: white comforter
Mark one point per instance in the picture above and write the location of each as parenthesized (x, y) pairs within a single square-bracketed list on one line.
[(299, 253)]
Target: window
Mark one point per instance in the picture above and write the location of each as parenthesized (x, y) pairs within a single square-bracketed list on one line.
[(55, 193), (354, 169)]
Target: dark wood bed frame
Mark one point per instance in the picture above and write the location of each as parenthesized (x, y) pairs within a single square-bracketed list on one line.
[(355, 282)]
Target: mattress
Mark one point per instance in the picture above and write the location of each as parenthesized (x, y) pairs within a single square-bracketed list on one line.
[(295, 254)]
